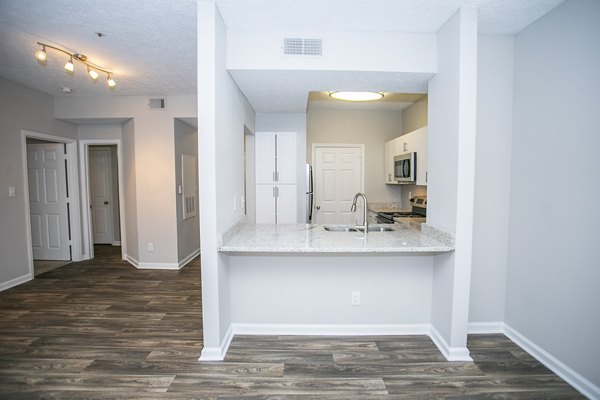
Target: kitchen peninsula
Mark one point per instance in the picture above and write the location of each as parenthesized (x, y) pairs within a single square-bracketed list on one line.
[(314, 238)]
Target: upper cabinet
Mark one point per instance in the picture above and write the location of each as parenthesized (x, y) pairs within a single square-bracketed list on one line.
[(415, 141)]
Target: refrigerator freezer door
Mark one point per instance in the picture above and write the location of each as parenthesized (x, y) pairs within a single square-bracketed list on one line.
[(309, 207)]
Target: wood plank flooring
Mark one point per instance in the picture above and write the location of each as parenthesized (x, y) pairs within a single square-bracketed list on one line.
[(102, 329)]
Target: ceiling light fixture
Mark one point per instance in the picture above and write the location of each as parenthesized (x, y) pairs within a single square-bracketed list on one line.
[(356, 96), (92, 68)]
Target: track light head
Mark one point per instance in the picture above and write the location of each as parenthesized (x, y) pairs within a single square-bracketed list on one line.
[(111, 82), (69, 66), (40, 55), (93, 74)]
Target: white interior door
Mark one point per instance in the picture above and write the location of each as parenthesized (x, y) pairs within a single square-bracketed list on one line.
[(338, 177), (47, 182), (100, 167)]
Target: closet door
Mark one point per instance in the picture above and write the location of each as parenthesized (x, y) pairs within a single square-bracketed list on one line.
[(265, 204), (286, 204), (264, 155), (286, 158)]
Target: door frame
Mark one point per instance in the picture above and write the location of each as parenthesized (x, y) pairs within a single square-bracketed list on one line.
[(359, 146), (88, 237), (73, 183)]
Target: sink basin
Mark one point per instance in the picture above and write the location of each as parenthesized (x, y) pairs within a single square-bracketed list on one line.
[(352, 229), (340, 229)]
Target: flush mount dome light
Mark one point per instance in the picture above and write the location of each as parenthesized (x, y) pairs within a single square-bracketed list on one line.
[(356, 96)]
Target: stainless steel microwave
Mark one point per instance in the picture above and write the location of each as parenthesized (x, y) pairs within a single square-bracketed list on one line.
[(405, 168)]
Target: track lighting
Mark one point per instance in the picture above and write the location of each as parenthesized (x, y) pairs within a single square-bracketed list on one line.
[(92, 69)]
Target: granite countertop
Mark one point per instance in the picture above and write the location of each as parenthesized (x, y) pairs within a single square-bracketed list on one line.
[(387, 209), (414, 223), (306, 238)]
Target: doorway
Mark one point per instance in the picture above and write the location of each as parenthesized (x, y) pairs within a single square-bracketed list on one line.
[(51, 189), (338, 176), (102, 195)]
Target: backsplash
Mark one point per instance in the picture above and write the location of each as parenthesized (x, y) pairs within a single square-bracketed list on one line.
[(386, 205)]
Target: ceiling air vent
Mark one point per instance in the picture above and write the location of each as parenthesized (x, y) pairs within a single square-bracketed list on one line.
[(302, 47)]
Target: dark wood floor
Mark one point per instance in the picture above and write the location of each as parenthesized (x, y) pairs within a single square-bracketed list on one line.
[(101, 329)]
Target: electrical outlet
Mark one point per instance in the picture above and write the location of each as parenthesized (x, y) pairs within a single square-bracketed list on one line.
[(150, 247), (356, 298)]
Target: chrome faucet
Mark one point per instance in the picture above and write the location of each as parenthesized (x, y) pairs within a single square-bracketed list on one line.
[(365, 224)]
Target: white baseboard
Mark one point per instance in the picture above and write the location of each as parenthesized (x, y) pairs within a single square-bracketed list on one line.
[(450, 353), (131, 260), (16, 281), (574, 379), (116, 243), (146, 265), (330, 330), (485, 327), (189, 258), (218, 353)]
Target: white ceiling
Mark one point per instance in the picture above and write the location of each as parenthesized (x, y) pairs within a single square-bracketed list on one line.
[(151, 44)]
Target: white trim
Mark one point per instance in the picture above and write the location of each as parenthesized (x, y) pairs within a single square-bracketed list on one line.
[(116, 243), (450, 353), (574, 379), (190, 257), (218, 353), (485, 327), (88, 248), (330, 330), (16, 281)]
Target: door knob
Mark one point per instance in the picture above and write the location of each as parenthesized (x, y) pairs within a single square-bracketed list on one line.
[(318, 207), (106, 202)]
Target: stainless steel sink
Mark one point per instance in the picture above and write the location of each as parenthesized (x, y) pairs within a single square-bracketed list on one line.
[(340, 229), (352, 229)]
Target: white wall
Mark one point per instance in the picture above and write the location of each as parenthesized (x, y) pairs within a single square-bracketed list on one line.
[(552, 294), (451, 142), (154, 164), (290, 122), (369, 127), (492, 177), (21, 108), (369, 51), (188, 230), (224, 112), (99, 131), (317, 290)]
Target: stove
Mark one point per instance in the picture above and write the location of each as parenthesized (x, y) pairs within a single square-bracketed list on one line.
[(419, 210)]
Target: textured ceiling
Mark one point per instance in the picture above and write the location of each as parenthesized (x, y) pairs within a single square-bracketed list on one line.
[(495, 16), (151, 44)]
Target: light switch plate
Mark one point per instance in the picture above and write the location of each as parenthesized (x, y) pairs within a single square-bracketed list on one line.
[(12, 192)]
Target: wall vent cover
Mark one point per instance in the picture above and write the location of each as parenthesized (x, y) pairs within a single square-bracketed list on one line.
[(302, 47), (156, 103)]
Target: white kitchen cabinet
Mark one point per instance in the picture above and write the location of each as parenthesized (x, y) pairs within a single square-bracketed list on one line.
[(415, 141), (275, 176)]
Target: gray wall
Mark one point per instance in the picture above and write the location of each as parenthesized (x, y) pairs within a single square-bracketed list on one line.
[(130, 195), (552, 294), (21, 108), (492, 177), (415, 116), (369, 127), (188, 231)]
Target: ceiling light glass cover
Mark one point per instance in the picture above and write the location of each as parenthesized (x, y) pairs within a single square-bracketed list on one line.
[(69, 65), (356, 96), (40, 55)]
